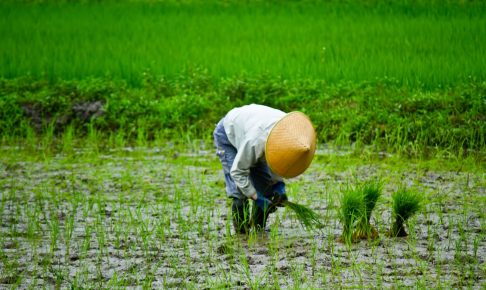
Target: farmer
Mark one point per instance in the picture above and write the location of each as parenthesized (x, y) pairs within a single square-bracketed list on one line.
[(258, 146)]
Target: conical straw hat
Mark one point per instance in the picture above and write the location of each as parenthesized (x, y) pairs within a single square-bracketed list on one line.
[(291, 145)]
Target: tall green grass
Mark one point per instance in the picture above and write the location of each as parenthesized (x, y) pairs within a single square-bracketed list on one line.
[(414, 42)]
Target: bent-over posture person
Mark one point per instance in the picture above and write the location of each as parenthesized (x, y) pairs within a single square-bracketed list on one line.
[(258, 146)]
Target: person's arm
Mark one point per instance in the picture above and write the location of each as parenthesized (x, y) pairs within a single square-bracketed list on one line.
[(245, 158)]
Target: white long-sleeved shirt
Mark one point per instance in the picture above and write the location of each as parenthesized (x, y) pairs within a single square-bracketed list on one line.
[(247, 129)]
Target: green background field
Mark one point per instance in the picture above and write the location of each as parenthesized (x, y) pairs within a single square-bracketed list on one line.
[(406, 76), (415, 44)]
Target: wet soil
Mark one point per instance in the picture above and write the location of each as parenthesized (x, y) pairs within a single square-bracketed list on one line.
[(160, 220)]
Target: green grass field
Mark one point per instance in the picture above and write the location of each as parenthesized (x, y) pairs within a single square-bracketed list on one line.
[(416, 44)]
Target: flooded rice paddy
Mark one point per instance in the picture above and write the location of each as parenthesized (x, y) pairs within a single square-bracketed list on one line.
[(159, 219)]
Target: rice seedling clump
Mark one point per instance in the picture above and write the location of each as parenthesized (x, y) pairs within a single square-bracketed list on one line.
[(352, 210), (371, 191), (406, 203)]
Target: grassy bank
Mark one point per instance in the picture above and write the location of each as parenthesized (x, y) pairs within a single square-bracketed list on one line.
[(384, 114), (418, 43)]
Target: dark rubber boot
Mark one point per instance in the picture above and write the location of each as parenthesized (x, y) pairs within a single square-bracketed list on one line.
[(241, 215)]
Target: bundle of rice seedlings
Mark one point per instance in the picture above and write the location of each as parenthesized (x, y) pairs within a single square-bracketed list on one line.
[(352, 210), (406, 203), (308, 218), (371, 192)]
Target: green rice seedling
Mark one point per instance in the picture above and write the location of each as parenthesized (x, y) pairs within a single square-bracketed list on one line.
[(33, 225), (352, 210), (86, 243), (371, 191), (406, 203), (297, 275), (476, 243), (253, 281), (308, 218), (54, 228), (100, 233)]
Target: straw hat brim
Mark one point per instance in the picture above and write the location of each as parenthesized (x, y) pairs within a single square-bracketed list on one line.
[(291, 145)]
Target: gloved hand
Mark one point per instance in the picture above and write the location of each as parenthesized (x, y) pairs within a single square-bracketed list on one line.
[(278, 194), (264, 203)]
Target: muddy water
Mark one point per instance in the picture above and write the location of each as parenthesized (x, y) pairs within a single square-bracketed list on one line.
[(160, 220)]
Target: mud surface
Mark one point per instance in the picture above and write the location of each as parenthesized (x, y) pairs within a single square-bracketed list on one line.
[(159, 219)]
